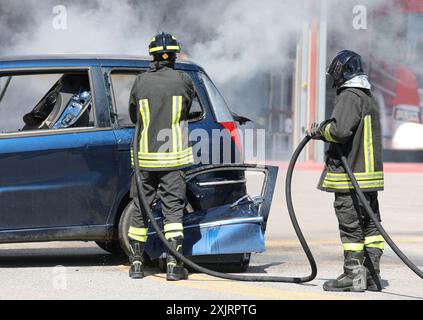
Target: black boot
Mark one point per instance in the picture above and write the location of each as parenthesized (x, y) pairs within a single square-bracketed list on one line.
[(374, 254), (354, 277), (175, 269), (136, 259)]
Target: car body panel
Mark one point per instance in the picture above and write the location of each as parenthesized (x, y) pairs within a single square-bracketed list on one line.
[(73, 184), (221, 230), (36, 192), (234, 228), (74, 60)]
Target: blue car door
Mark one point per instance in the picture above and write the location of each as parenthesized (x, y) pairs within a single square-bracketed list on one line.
[(60, 177)]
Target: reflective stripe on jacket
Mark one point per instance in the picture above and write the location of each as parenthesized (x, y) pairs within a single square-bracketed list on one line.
[(356, 127), (162, 97)]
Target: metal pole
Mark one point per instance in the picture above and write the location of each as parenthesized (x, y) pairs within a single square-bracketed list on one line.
[(321, 73)]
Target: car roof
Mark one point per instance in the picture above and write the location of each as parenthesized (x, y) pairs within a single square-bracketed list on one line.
[(85, 60)]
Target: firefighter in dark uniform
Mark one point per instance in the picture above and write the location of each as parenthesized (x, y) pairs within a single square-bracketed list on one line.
[(162, 96), (355, 127)]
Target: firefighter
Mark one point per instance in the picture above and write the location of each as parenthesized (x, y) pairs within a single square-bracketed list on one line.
[(355, 127), (162, 96)]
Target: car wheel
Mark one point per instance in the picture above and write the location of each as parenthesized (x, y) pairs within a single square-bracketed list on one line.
[(120, 247), (242, 260), (162, 265), (123, 227), (124, 224), (112, 247), (241, 265), (244, 263)]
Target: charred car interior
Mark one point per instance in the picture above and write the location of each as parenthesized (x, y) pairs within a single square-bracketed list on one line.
[(64, 104)]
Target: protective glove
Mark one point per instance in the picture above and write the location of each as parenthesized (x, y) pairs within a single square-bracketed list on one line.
[(313, 131), (316, 131)]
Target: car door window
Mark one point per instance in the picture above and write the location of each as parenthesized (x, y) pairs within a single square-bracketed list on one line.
[(45, 101), (220, 108), (196, 112), (122, 82)]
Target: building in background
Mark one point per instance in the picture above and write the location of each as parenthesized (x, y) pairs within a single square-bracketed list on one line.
[(389, 37)]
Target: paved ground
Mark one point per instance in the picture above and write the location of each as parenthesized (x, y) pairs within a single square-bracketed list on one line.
[(77, 270)]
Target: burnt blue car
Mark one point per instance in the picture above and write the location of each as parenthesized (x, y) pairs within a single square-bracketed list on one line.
[(65, 136)]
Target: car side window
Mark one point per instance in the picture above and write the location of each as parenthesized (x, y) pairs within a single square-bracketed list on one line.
[(45, 101), (196, 111), (220, 108), (122, 82)]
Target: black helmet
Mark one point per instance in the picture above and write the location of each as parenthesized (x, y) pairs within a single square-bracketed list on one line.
[(164, 46), (345, 66)]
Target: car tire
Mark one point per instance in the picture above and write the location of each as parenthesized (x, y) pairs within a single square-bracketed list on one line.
[(125, 221), (112, 247), (228, 267), (123, 227), (162, 265), (243, 264), (240, 266), (120, 247)]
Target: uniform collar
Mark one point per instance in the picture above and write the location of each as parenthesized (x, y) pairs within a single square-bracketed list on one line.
[(157, 65), (361, 81)]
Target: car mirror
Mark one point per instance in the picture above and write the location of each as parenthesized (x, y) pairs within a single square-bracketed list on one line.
[(240, 119)]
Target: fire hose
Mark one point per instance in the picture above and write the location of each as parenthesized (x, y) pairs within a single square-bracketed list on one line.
[(374, 218), (258, 278)]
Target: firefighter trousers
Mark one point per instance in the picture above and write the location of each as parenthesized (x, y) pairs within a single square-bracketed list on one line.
[(356, 228), (170, 188)]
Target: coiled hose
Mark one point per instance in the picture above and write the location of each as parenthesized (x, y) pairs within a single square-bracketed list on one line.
[(372, 216), (198, 268), (292, 216)]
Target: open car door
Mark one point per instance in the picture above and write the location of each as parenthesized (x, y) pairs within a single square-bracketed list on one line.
[(224, 233)]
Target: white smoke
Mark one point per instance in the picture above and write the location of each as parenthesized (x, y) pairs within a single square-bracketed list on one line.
[(231, 39), (237, 42), (384, 23), (234, 40), (98, 27)]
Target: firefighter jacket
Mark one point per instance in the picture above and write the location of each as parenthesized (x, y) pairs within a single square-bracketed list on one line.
[(163, 97), (356, 127)]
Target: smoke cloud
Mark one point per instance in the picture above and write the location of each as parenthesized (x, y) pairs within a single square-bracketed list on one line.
[(235, 41), (238, 42), (229, 38)]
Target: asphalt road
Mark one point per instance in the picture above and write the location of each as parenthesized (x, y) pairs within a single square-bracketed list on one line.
[(78, 270)]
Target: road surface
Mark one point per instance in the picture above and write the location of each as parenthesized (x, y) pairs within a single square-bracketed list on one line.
[(80, 270)]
